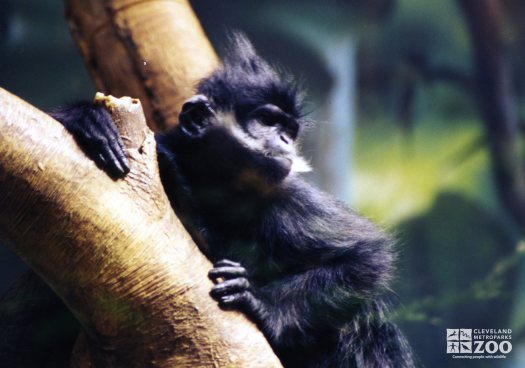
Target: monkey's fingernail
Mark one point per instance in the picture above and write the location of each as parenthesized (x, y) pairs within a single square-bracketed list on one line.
[(120, 170)]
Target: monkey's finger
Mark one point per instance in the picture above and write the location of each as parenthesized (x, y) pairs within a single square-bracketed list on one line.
[(230, 300), (115, 144), (112, 164), (226, 263), (227, 273), (241, 299), (229, 287), (97, 148)]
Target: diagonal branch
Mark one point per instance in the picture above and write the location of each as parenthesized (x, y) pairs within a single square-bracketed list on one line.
[(152, 50), (114, 250)]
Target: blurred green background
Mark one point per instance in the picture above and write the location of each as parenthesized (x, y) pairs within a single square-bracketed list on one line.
[(419, 108)]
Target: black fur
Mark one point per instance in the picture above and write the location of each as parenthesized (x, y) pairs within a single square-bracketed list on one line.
[(246, 82), (306, 269)]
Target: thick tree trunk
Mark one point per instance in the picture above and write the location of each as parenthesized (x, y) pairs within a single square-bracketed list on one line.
[(114, 250), (155, 51)]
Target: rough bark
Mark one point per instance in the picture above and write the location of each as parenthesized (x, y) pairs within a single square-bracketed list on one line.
[(496, 102), (155, 51), (114, 250)]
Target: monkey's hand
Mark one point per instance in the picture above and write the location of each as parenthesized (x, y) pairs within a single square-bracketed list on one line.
[(234, 292), (196, 115), (95, 132)]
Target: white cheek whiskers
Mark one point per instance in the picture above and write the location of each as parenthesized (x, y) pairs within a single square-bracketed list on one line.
[(300, 165)]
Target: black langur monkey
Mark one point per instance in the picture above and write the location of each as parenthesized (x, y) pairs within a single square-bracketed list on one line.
[(307, 270)]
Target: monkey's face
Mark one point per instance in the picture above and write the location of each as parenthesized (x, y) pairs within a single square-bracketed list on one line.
[(272, 132), (257, 110), (268, 136), (258, 147)]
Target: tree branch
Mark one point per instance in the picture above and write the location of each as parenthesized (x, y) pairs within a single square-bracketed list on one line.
[(114, 250), (155, 51)]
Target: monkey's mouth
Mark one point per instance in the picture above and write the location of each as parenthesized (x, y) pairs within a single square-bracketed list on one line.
[(295, 164), (266, 178), (284, 161), (281, 168), (279, 158)]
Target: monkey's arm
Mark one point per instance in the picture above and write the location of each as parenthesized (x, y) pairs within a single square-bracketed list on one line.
[(293, 309), (340, 260), (94, 130)]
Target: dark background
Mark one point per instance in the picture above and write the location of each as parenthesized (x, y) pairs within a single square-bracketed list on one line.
[(402, 93)]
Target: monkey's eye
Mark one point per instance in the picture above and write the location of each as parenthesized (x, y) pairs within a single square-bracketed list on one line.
[(267, 118), (291, 127), (272, 115), (269, 115)]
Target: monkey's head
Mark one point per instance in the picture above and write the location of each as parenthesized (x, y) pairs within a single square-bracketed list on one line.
[(251, 113)]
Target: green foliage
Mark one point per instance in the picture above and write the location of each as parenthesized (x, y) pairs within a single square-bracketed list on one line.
[(459, 256), (398, 177)]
